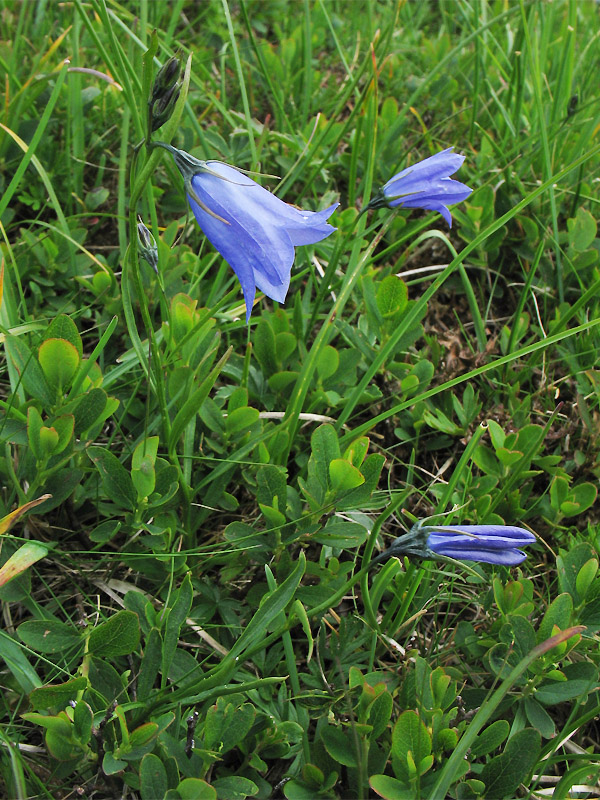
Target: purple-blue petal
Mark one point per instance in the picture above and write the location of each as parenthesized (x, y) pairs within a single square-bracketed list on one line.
[(495, 544), (509, 557), (491, 535), (427, 185), (436, 167), (256, 232)]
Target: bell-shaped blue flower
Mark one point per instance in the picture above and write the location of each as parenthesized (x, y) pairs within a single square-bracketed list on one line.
[(494, 544), (425, 185), (252, 229)]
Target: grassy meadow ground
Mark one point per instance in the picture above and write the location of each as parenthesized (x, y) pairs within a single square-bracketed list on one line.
[(190, 504)]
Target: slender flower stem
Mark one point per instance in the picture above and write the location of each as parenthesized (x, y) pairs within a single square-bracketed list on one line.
[(368, 553), (325, 333)]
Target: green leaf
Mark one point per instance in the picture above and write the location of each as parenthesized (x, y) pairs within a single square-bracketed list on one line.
[(143, 734), (63, 327), (344, 476), (299, 611), (410, 739), (241, 420), (582, 229), (341, 533), (391, 788), (392, 296), (174, 619), (60, 361), (490, 738), (271, 605), (339, 745), (151, 663), (357, 451), (60, 747), (118, 636), (48, 441), (34, 427), (83, 719), (234, 787), (105, 680), (371, 471), (106, 531), (503, 774), (153, 777), (60, 485), (49, 636), (112, 765), (328, 362), (63, 425), (271, 484), (143, 460), (568, 566), (57, 695), (264, 347), (325, 448), (28, 367), (559, 612), (115, 478), (196, 789), (240, 726), (586, 576), (58, 723), (559, 691), (285, 344), (88, 410), (380, 712), (539, 718), (21, 560), (520, 633), (590, 616), (580, 498), (13, 656)]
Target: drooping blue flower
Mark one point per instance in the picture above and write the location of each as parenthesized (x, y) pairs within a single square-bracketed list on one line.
[(252, 229), (494, 544), (425, 185)]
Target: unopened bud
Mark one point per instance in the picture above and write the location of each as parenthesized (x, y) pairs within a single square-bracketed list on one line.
[(147, 246), (163, 107), (167, 77)]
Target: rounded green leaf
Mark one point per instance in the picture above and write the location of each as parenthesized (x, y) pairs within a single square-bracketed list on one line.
[(118, 636), (59, 360), (153, 777), (328, 362), (48, 636), (339, 745), (344, 476), (57, 695), (197, 789), (392, 296), (63, 327)]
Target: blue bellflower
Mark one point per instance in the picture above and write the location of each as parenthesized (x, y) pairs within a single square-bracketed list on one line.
[(493, 544), (425, 185), (252, 229)]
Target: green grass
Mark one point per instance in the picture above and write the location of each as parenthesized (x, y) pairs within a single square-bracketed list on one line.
[(192, 613)]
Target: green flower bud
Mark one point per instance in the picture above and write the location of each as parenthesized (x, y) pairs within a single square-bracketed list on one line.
[(147, 246)]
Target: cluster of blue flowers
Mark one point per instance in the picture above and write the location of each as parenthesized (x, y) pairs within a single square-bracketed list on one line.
[(256, 232)]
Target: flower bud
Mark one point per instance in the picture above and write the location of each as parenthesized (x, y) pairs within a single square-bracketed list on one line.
[(163, 107), (147, 246), (166, 78)]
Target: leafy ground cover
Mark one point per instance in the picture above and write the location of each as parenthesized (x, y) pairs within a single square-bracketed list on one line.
[(190, 504)]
